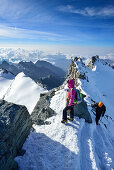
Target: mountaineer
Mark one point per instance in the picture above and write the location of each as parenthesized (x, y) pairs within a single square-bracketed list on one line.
[(70, 101), (100, 109)]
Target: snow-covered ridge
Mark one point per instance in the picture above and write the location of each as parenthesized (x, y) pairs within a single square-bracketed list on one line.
[(78, 145), (20, 90), (99, 86), (6, 79), (41, 71)]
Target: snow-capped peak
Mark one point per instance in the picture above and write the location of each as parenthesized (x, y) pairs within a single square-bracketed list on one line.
[(23, 90), (77, 145)]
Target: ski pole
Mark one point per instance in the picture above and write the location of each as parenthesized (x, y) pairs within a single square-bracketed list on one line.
[(91, 99)]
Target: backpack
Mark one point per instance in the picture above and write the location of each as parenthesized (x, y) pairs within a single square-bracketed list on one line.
[(78, 97)]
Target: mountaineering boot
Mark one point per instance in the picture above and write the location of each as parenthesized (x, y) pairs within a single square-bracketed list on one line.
[(64, 121), (71, 119)]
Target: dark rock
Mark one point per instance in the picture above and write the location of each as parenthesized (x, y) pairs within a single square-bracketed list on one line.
[(82, 76), (42, 111), (91, 63), (76, 58), (21, 152), (81, 111), (31, 70), (51, 82), (57, 70), (71, 68), (15, 125), (74, 73)]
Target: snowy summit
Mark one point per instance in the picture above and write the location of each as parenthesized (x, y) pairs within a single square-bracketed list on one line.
[(20, 89), (77, 145)]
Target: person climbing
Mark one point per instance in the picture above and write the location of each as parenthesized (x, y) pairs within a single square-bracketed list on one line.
[(100, 109), (70, 102)]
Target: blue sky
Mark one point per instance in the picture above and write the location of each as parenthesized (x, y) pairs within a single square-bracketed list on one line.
[(57, 22)]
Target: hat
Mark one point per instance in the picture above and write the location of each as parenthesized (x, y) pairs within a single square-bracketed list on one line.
[(100, 104), (71, 83)]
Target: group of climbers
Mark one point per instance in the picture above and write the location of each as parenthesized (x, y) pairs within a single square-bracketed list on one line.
[(71, 101)]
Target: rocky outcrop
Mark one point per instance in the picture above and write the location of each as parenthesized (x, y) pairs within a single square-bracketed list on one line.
[(81, 111), (74, 73), (91, 63), (42, 111), (15, 125), (51, 82)]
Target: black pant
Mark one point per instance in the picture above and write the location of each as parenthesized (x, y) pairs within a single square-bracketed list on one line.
[(71, 108), (97, 118)]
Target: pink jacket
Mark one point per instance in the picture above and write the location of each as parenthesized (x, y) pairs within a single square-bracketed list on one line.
[(71, 92)]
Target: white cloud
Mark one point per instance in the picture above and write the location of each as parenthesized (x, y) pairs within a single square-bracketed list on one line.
[(16, 11), (13, 32), (20, 33), (111, 56), (43, 50), (105, 11), (57, 55), (13, 9)]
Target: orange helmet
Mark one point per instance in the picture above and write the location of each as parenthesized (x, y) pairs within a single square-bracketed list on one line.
[(100, 104)]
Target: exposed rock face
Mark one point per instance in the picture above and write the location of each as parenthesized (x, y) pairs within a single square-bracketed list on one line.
[(10, 68), (76, 58), (42, 111), (81, 111), (36, 72), (74, 73), (91, 63), (51, 82), (15, 125), (58, 71)]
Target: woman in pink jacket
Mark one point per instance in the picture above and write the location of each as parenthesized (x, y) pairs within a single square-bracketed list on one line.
[(70, 103)]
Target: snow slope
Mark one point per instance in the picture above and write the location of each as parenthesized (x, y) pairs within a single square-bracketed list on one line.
[(6, 80), (77, 145), (100, 87), (21, 90)]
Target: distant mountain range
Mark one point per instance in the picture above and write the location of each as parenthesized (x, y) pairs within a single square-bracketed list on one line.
[(110, 62), (17, 55), (54, 69), (9, 67), (42, 71)]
